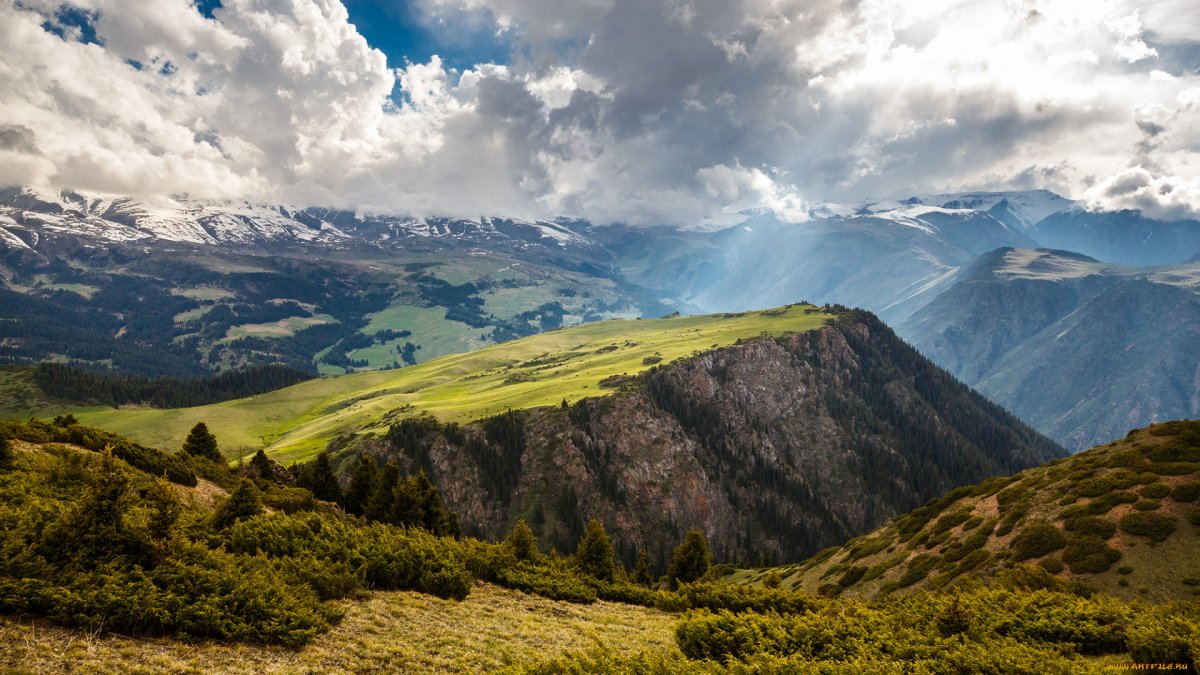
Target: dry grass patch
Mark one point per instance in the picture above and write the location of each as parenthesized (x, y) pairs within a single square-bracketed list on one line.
[(394, 631)]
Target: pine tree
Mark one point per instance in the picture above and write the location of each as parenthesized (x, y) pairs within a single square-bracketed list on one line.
[(318, 477), (691, 559), (379, 506), (261, 466), (243, 503), (362, 482), (595, 552), (641, 570), (406, 504), (201, 443), (522, 542)]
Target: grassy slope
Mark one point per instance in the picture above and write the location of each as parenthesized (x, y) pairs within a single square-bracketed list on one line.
[(540, 370), (1165, 570), (390, 631)]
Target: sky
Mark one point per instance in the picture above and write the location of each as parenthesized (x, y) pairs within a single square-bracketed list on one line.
[(636, 111)]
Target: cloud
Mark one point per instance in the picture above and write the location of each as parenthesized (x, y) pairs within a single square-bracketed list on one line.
[(651, 111)]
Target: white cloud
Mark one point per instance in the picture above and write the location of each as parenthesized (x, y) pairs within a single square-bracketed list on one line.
[(654, 111)]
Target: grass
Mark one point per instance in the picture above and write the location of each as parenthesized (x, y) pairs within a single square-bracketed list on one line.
[(389, 632), (46, 282), (276, 329), (430, 329), (204, 293), (297, 422)]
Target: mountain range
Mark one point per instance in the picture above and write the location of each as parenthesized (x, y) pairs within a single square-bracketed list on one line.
[(184, 287)]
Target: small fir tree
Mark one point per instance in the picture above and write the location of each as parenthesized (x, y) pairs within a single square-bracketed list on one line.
[(362, 483), (379, 506), (641, 570), (261, 466), (318, 477), (691, 559), (202, 443), (522, 542), (595, 552), (243, 503)]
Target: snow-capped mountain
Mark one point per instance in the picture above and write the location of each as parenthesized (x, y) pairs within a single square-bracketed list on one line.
[(29, 215), (1021, 208)]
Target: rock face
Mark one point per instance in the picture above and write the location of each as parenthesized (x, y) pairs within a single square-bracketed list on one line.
[(776, 448)]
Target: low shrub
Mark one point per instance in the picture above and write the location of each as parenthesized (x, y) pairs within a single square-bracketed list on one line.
[(1155, 526), (1173, 468), (1087, 553), (1098, 527), (1147, 504), (1186, 492), (1037, 540), (1155, 490)]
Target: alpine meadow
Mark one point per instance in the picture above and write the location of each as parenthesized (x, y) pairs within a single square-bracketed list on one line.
[(654, 337)]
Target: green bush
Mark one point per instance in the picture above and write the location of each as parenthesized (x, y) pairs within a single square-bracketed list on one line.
[(1173, 468), (1098, 527), (1051, 564), (1154, 638), (918, 568), (852, 576), (1186, 492), (1086, 553), (1155, 490), (1104, 504), (1037, 540), (1094, 487), (1147, 505), (719, 595), (1155, 526)]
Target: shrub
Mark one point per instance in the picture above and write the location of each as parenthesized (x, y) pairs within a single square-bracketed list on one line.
[(1051, 564), (1155, 490), (852, 576), (1154, 638), (1037, 540), (1173, 468), (1155, 526), (1098, 527), (719, 595), (1106, 503), (1186, 492), (289, 500), (1086, 553), (1147, 505), (1094, 487), (918, 568)]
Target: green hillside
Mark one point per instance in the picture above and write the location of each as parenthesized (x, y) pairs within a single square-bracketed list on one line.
[(1122, 517), (572, 363)]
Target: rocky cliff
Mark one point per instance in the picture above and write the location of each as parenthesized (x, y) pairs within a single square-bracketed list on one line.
[(774, 447)]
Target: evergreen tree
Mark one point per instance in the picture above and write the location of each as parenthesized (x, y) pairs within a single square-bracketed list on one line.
[(434, 516), (318, 477), (201, 443), (522, 542), (691, 559), (641, 570), (243, 503), (407, 508), (595, 552), (379, 505), (362, 483), (261, 466), (6, 451)]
